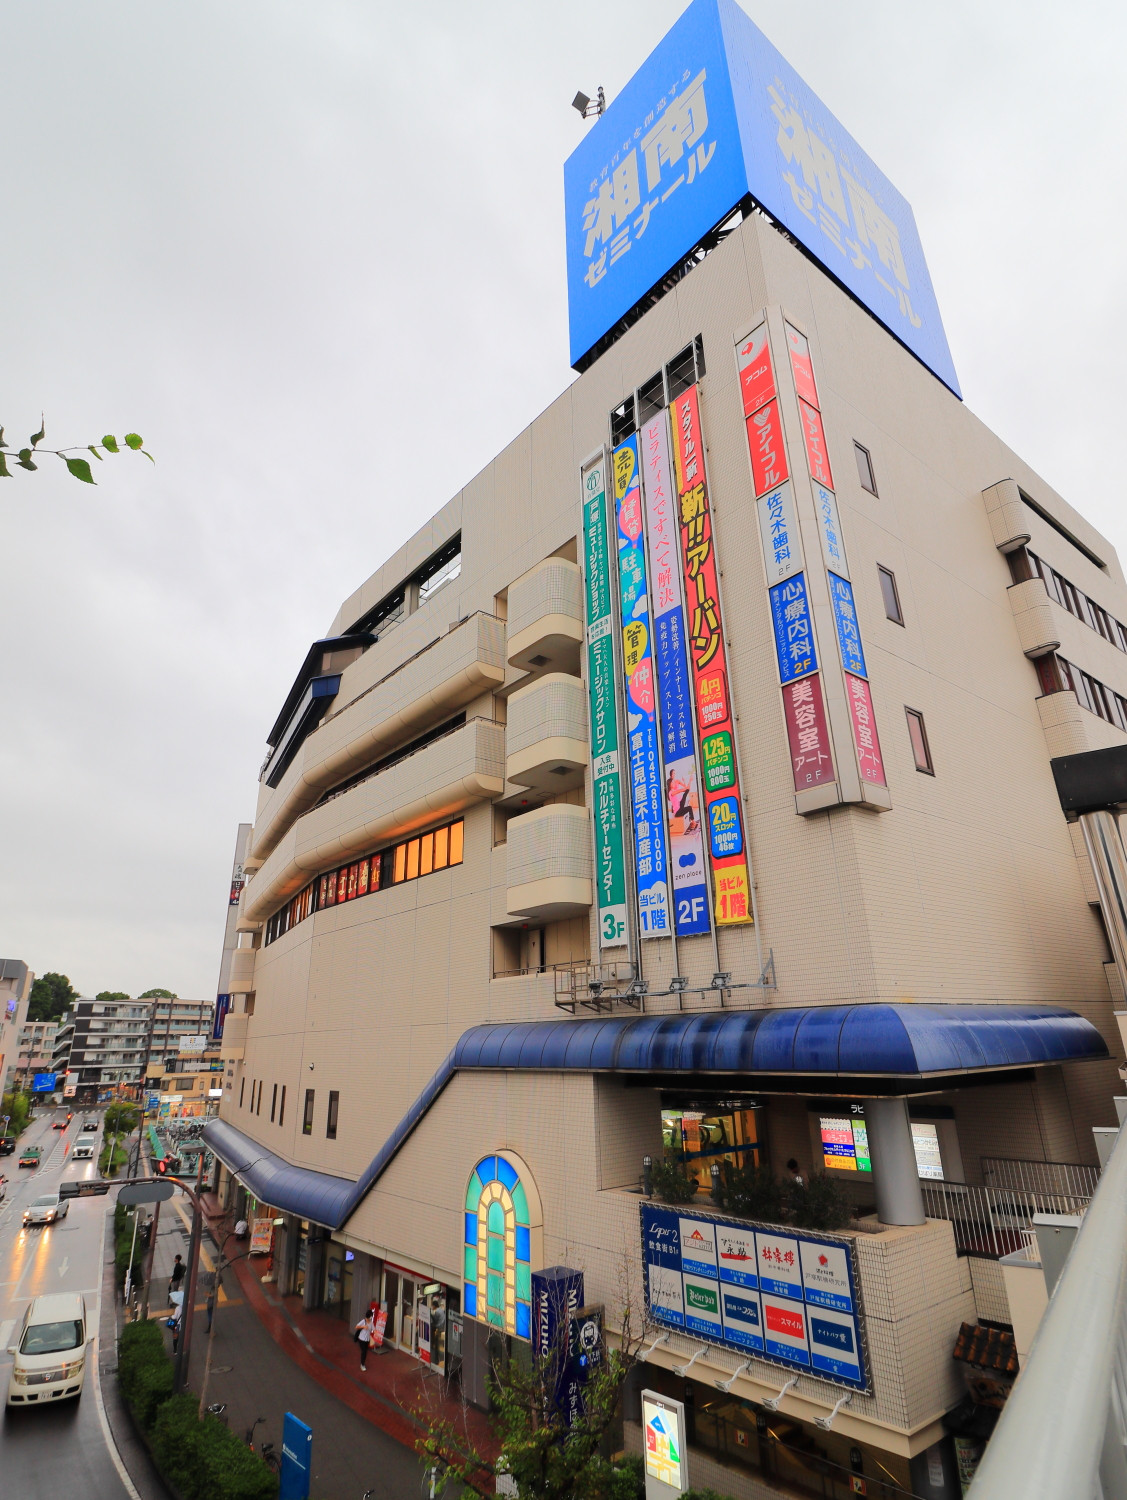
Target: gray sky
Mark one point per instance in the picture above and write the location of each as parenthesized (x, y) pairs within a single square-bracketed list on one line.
[(314, 254)]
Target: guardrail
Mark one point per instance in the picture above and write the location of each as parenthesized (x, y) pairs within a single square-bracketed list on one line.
[(1062, 1434), (991, 1222), (1072, 1179)]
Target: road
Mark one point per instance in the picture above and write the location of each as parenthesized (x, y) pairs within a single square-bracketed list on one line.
[(59, 1449)]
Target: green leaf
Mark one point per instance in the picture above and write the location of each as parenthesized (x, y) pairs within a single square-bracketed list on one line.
[(109, 442), (134, 440), (3, 444), (80, 468), (148, 455), (5, 472), (93, 447), (37, 437), (24, 459)]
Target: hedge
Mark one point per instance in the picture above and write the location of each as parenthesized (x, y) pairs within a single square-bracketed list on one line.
[(199, 1460), (123, 1240)]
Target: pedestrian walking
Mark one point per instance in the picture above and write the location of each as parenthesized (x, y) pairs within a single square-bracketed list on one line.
[(792, 1168), (177, 1274), (365, 1336)]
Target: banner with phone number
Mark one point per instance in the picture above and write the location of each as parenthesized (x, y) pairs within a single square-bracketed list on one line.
[(723, 802)]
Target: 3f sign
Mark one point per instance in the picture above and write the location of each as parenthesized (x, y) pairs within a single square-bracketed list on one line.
[(613, 929)]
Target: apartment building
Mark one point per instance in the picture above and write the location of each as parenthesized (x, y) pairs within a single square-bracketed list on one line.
[(16, 980), (185, 1084), (681, 791), (104, 1044), (173, 1021), (35, 1049)]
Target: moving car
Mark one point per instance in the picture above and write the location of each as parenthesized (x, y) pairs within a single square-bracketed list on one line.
[(7, 1145), (90, 1125), (29, 1156), (46, 1210), (50, 1355), (83, 1147), (62, 1124)]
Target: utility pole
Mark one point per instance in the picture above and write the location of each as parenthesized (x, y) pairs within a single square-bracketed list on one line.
[(189, 1303)]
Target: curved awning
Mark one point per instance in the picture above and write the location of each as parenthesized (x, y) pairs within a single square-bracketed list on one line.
[(805, 1046)]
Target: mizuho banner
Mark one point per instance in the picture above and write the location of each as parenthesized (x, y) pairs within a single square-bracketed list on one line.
[(675, 695), (610, 878), (651, 866), (723, 808)]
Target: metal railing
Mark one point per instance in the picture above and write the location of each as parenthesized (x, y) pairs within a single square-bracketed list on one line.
[(1062, 1434), (992, 1222), (1048, 1178)]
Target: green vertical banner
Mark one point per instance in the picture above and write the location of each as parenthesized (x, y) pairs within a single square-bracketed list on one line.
[(610, 878)]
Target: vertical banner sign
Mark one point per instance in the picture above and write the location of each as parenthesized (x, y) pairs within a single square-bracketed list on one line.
[(651, 866), (861, 716), (675, 707), (606, 795), (723, 805)]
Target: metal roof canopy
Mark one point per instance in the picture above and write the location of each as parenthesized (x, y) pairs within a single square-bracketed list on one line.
[(894, 1047)]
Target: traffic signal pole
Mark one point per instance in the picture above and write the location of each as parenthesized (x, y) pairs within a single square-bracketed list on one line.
[(188, 1306)]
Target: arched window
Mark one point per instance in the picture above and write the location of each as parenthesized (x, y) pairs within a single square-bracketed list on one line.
[(500, 1225)]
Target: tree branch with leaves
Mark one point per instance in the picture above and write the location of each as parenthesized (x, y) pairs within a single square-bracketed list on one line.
[(24, 458)]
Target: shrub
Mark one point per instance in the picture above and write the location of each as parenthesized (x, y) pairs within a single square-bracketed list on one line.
[(204, 1460), (144, 1371), (752, 1192), (671, 1183), (123, 1240), (705, 1494), (819, 1203), (628, 1479)]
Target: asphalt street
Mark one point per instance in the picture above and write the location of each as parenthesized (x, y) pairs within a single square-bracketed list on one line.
[(63, 1449)]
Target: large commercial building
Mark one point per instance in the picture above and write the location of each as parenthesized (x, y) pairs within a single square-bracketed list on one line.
[(681, 792)]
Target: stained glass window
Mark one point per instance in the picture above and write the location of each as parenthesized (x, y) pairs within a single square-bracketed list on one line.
[(498, 1272)]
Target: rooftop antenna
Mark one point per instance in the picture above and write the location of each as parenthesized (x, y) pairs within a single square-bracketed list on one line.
[(590, 108)]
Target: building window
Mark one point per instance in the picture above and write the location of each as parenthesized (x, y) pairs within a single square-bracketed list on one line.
[(497, 1282), (920, 748), (865, 468), (282, 1107), (890, 594), (331, 1118), (273, 1104), (307, 1122)]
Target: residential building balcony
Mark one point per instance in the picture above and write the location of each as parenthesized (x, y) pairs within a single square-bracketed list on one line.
[(234, 1041), (443, 778), (546, 735), (546, 617), (242, 971), (550, 863)]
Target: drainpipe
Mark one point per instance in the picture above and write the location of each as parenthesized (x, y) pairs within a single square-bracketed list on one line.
[(895, 1178)]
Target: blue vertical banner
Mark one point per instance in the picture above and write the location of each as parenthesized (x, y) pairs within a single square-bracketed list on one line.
[(675, 694), (845, 618), (651, 865), (297, 1456), (794, 629)]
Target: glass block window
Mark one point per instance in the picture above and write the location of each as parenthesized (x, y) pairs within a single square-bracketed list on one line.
[(497, 1286)]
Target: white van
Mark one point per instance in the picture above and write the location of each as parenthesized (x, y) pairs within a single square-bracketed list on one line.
[(83, 1147), (50, 1356)]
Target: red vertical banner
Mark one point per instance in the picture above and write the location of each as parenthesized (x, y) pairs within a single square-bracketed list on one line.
[(757, 377), (802, 366), (723, 802), (815, 440), (811, 757), (864, 722), (767, 448)]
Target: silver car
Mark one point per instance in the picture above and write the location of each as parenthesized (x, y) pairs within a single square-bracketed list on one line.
[(46, 1210)]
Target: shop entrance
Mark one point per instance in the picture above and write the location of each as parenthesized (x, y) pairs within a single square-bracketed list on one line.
[(338, 1281), (700, 1132)]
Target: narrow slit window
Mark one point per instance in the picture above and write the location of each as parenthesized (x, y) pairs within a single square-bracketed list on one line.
[(400, 863), (426, 854), (331, 1120), (456, 831), (282, 1107), (307, 1119), (921, 750), (441, 848), (274, 1104), (865, 468), (890, 594), (413, 860), (242, 1091)]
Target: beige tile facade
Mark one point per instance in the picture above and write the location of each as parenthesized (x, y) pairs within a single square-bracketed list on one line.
[(968, 888)]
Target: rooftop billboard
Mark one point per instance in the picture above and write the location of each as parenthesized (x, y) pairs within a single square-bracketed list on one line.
[(713, 114)]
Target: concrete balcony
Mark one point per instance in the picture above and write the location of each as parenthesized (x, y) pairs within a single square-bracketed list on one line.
[(1071, 729), (1038, 629), (1009, 518), (546, 737), (550, 871), (234, 1040), (241, 979), (546, 618), (405, 702), (441, 779)]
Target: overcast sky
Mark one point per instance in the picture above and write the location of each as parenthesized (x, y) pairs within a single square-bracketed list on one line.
[(313, 253)]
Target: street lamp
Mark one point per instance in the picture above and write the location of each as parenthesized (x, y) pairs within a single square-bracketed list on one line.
[(590, 108)]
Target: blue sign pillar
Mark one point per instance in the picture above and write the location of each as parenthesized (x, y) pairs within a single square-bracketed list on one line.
[(297, 1459)]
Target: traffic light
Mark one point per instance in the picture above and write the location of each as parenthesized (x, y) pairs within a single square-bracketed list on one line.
[(162, 1166)]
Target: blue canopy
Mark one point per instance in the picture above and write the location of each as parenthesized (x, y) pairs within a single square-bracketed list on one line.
[(902, 1040)]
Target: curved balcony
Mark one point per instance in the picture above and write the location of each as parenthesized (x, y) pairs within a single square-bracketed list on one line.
[(546, 736), (546, 617), (440, 679), (441, 779), (550, 865), (241, 978)]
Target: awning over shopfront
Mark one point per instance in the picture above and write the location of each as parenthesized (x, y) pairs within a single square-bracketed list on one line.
[(800, 1047)]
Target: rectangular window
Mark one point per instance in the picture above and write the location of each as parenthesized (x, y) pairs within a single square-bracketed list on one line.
[(920, 747), (413, 860), (362, 878), (282, 1107), (400, 863), (258, 1107), (331, 1119), (328, 890), (1049, 674), (864, 468), (273, 1103), (441, 848), (456, 831), (890, 595), (353, 874), (342, 885), (426, 854), (307, 1121)]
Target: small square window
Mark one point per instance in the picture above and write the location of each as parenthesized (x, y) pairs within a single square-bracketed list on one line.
[(890, 594), (865, 468), (921, 750)]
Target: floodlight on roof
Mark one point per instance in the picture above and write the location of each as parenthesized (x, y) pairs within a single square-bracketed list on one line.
[(590, 108)]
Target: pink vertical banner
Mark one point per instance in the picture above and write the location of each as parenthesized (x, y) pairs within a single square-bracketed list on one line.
[(815, 439), (811, 754), (802, 367), (864, 722), (768, 451), (757, 378)]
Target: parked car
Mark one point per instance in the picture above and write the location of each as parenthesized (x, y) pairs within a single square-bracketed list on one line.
[(30, 1156), (46, 1210), (50, 1355)]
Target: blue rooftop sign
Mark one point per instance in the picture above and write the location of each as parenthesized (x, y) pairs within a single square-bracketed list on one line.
[(715, 113)]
